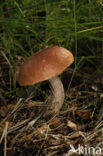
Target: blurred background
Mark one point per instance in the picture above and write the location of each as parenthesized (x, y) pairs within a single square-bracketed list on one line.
[(29, 26)]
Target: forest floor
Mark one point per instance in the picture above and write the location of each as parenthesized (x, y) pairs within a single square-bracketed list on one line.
[(77, 130)]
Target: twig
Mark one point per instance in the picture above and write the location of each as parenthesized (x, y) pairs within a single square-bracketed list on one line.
[(5, 139), (13, 111), (25, 125), (4, 132)]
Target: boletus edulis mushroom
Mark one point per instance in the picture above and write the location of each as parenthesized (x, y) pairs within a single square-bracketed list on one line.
[(47, 64)]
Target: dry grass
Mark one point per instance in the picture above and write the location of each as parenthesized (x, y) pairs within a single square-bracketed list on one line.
[(29, 133)]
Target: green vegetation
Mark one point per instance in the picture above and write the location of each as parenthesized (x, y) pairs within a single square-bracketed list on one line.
[(28, 26)]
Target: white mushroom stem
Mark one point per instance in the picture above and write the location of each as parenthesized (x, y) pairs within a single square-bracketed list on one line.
[(57, 95)]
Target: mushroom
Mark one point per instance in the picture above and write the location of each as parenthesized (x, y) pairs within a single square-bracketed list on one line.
[(47, 64)]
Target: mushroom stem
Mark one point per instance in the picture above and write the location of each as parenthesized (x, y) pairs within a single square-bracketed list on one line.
[(57, 95)]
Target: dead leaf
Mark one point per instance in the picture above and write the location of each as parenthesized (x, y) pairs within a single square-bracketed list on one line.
[(95, 88), (84, 114), (72, 125), (18, 57), (3, 111), (55, 122), (75, 135)]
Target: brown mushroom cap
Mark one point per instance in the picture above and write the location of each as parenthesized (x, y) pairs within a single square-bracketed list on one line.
[(44, 65)]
